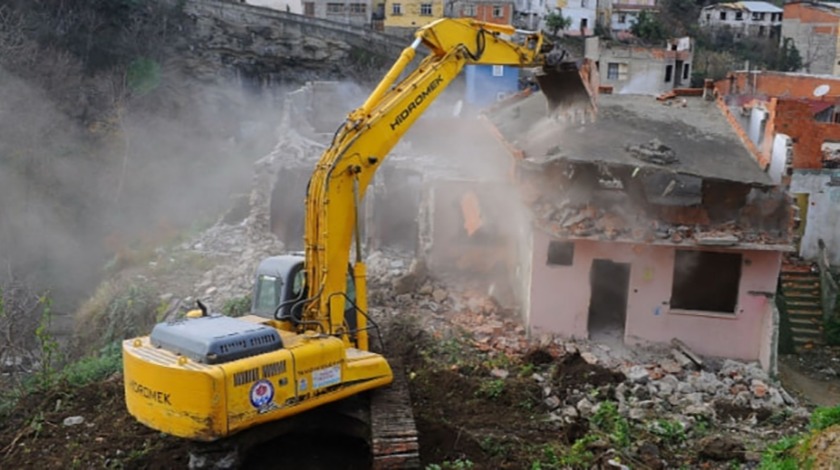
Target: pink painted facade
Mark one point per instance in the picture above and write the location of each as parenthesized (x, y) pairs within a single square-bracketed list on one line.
[(560, 298)]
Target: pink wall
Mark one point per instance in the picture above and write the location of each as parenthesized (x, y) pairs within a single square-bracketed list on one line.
[(560, 299)]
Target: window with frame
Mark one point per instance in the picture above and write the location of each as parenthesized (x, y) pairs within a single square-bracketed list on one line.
[(469, 10), (723, 16), (739, 16), (560, 253), (333, 8), (706, 281), (358, 8), (686, 70), (708, 17), (669, 72), (612, 71), (622, 18), (616, 71), (309, 8), (498, 11), (498, 70), (758, 16), (425, 9), (396, 9)]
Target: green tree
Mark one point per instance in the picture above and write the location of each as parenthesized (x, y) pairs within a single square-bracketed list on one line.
[(788, 58), (649, 27), (556, 22)]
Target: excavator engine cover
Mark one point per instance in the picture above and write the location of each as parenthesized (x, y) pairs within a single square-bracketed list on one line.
[(215, 339)]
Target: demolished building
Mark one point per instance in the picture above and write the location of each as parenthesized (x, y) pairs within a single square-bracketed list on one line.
[(654, 222)]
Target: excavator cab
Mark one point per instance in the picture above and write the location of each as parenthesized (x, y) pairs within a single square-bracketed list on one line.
[(280, 290)]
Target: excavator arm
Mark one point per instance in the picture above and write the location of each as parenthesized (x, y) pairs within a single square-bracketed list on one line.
[(361, 144)]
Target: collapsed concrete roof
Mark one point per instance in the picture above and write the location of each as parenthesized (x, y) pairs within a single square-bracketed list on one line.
[(629, 131)]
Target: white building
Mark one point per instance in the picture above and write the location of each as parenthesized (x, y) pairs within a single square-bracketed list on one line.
[(530, 14), (582, 14), (618, 16), (292, 6), (743, 19)]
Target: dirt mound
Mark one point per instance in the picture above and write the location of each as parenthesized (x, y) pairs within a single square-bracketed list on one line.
[(107, 436), (575, 373)]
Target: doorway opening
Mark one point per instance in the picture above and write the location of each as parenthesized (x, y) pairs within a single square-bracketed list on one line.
[(610, 284)]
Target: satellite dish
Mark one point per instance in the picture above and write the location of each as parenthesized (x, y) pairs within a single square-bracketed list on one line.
[(821, 90)]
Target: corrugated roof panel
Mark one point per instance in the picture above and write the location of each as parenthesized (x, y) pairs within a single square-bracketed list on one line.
[(761, 7)]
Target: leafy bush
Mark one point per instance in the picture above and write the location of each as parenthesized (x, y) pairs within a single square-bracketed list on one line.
[(94, 368), (671, 431), (778, 456), (115, 312), (608, 420), (237, 307), (458, 464), (823, 417)]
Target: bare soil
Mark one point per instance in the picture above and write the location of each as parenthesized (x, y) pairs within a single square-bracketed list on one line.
[(35, 436), (813, 376), (464, 411)]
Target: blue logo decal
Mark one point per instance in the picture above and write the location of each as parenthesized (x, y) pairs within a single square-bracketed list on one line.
[(262, 392)]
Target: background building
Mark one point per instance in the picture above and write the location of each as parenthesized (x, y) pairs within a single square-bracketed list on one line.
[(743, 19)]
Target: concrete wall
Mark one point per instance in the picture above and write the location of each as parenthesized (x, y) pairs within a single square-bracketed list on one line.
[(294, 6), (746, 26), (346, 14), (484, 88), (646, 69), (623, 20), (410, 18), (314, 39), (560, 297), (823, 219), (815, 34), (578, 11)]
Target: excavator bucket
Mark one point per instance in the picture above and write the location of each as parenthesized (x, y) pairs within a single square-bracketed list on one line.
[(564, 88)]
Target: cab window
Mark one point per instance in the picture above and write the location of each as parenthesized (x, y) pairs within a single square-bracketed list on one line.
[(298, 283), (351, 293), (267, 294)]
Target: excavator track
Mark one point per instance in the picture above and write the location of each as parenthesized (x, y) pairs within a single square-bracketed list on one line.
[(384, 419), (394, 440)]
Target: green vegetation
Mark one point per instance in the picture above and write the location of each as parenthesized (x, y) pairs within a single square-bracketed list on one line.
[(237, 307), (671, 431), (718, 52), (792, 452), (610, 422), (94, 368), (458, 464), (491, 389), (556, 22), (822, 418), (649, 27), (118, 311)]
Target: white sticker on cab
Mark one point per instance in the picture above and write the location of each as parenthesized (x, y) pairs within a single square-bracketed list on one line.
[(325, 377)]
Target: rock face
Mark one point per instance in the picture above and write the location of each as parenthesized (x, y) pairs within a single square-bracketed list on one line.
[(275, 47)]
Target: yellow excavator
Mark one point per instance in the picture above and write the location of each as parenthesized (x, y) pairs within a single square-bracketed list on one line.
[(208, 376)]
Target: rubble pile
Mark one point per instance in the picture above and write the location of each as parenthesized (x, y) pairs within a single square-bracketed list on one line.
[(648, 384), (562, 218)]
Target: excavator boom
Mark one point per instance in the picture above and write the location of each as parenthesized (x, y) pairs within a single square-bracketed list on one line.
[(363, 141)]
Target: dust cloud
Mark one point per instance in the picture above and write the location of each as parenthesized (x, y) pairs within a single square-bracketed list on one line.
[(78, 192)]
